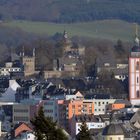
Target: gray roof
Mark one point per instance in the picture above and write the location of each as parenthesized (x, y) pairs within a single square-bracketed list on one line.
[(136, 117), (113, 129), (86, 118), (120, 101)]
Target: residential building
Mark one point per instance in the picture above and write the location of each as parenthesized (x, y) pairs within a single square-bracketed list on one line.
[(25, 111), (92, 122), (9, 68), (50, 109), (9, 94), (101, 102), (22, 131)]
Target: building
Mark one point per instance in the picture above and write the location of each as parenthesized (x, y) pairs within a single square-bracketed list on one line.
[(134, 73), (22, 131), (92, 122), (28, 63), (24, 112), (101, 102), (9, 94), (67, 109), (113, 132), (50, 109), (9, 68)]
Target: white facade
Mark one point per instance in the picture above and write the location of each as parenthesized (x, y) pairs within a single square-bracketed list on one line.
[(120, 77), (6, 70), (75, 96), (90, 125), (100, 105), (26, 136)]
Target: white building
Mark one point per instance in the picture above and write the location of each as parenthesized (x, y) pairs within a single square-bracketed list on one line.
[(91, 121), (9, 68)]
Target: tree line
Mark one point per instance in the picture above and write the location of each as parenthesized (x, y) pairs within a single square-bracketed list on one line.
[(70, 11)]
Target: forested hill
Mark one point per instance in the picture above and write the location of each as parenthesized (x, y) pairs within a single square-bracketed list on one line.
[(70, 10)]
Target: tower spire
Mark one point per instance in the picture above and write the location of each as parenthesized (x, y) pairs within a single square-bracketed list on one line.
[(137, 41), (23, 51), (34, 52)]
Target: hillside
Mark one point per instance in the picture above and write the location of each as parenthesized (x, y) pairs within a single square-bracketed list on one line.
[(105, 29), (70, 10)]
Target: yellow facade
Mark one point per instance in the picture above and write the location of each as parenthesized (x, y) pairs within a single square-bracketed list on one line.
[(114, 137)]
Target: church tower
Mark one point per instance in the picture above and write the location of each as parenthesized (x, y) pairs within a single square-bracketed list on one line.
[(67, 42), (134, 72), (28, 63)]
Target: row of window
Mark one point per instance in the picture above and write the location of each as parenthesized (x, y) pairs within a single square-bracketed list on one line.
[(99, 103), (48, 111), (11, 70), (21, 119), (21, 110), (99, 109), (48, 103)]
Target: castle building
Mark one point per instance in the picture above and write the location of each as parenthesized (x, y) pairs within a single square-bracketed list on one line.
[(28, 63), (134, 73)]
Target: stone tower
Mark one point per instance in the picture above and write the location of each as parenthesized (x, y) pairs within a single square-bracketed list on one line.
[(28, 63), (67, 42)]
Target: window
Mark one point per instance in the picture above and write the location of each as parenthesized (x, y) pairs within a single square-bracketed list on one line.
[(48, 111), (138, 94), (137, 80), (20, 119), (79, 110), (137, 65), (21, 110), (73, 106)]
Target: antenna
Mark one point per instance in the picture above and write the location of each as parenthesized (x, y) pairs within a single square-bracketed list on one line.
[(22, 50), (136, 29), (34, 52)]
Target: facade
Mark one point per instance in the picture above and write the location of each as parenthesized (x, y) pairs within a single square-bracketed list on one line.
[(91, 121), (24, 112), (64, 110), (28, 63), (134, 74), (116, 106), (22, 131), (113, 132), (50, 108), (9, 68), (9, 95), (101, 105)]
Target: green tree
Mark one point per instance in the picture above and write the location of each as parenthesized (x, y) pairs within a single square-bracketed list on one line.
[(46, 129), (84, 133)]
